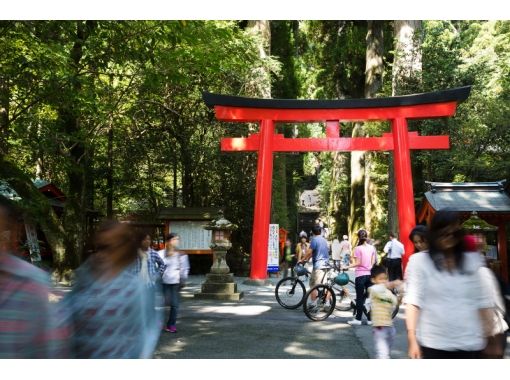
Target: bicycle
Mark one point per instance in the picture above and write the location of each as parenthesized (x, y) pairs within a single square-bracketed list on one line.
[(334, 287), (290, 291)]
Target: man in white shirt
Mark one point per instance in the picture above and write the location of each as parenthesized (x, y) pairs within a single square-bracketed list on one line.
[(394, 251)]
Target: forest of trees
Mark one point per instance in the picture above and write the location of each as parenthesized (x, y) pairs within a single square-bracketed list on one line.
[(111, 112)]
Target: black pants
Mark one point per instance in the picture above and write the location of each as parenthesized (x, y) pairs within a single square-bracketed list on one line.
[(394, 269), (362, 283), (432, 353)]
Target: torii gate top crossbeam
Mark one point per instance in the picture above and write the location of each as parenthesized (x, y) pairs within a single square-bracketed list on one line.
[(417, 106)]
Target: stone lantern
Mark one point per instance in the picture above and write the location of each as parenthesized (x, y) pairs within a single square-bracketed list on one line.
[(219, 283)]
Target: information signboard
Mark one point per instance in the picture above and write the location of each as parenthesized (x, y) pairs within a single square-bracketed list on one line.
[(273, 254)]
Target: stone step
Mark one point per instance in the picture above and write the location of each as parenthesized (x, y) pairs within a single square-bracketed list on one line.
[(210, 287), (219, 278), (219, 296)]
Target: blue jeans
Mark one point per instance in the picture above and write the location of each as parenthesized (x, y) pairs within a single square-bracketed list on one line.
[(383, 341), (361, 283), (171, 292)]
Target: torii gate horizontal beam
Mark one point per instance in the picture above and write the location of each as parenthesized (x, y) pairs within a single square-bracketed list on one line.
[(418, 106), (331, 144)]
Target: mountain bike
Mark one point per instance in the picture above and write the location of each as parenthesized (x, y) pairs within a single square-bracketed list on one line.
[(290, 291)]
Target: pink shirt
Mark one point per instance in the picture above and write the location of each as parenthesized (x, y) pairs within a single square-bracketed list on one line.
[(364, 253)]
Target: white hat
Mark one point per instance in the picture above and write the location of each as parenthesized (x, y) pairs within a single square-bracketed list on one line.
[(345, 237)]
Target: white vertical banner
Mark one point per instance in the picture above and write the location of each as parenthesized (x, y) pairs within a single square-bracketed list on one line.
[(273, 254)]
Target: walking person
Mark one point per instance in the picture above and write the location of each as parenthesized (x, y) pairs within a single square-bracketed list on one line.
[(28, 328), (345, 250), (174, 278), (289, 259), (394, 250), (382, 302), (446, 306), (108, 307), (364, 258), (149, 267), (302, 249), (497, 325), (336, 252)]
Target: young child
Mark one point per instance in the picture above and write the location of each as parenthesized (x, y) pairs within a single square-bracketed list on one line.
[(382, 302)]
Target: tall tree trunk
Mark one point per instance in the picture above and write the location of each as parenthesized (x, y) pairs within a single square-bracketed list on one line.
[(75, 212), (262, 83), (406, 79), (109, 176), (373, 84), (4, 114), (174, 192), (357, 195)]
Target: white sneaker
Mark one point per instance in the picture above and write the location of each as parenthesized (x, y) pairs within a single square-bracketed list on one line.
[(370, 323), (354, 322)]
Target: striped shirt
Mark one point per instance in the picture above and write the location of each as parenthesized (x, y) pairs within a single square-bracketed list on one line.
[(28, 321), (382, 303)]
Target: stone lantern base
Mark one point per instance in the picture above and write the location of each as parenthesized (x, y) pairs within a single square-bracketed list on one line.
[(219, 286)]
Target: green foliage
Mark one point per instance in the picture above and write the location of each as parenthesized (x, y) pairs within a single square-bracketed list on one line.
[(111, 112)]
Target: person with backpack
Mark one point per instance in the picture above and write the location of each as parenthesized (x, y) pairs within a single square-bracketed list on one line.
[(174, 278)]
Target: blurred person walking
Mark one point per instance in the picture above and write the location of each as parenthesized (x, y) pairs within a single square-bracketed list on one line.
[(382, 302), (109, 307), (149, 267), (174, 278), (394, 250), (302, 249), (289, 259), (336, 252), (345, 250), (447, 308), (364, 259), (497, 325), (28, 324)]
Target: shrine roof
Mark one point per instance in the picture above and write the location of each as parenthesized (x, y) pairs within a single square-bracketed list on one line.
[(469, 196), (458, 94), (188, 213)]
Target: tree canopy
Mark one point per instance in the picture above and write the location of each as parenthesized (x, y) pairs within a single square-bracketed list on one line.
[(111, 112)]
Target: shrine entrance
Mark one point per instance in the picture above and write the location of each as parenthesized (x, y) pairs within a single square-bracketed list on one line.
[(397, 110)]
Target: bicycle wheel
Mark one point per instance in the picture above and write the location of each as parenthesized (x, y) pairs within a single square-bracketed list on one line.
[(324, 304), (290, 292)]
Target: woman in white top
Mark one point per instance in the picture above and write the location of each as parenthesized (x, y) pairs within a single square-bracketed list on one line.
[(447, 308), (174, 277)]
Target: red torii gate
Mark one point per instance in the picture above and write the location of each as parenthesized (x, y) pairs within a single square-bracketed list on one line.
[(397, 110)]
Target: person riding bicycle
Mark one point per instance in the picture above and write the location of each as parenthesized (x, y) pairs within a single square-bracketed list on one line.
[(319, 252)]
